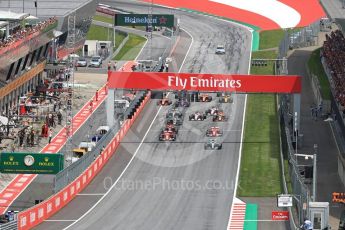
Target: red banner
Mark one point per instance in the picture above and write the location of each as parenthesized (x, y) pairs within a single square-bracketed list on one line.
[(205, 82), (280, 215)]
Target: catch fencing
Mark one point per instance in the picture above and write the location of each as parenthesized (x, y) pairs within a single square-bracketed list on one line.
[(307, 36), (299, 189), (298, 38)]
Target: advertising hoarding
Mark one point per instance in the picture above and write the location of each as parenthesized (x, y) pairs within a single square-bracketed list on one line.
[(31, 163), (163, 20), (205, 82)]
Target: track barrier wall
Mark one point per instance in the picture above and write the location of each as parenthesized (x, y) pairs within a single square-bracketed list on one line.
[(38, 213), (69, 174)]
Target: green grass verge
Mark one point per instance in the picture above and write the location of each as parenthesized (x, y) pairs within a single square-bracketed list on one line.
[(102, 18), (131, 48), (270, 38), (316, 68), (260, 170), (119, 38), (99, 33), (269, 69)]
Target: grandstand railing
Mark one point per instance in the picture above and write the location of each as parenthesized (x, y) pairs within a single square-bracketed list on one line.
[(28, 38)]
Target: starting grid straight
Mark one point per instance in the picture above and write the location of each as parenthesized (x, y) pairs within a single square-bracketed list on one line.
[(161, 81)]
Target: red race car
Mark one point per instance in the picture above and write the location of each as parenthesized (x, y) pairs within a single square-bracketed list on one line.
[(220, 116), (204, 98), (164, 102), (167, 136), (214, 132), (171, 128)]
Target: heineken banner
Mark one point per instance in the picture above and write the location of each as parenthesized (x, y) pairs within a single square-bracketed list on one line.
[(164, 20), (31, 163)]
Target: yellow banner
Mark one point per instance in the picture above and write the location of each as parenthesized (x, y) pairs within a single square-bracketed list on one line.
[(7, 89)]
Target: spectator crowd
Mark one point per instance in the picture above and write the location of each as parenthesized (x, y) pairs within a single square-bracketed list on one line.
[(333, 53), (21, 33)]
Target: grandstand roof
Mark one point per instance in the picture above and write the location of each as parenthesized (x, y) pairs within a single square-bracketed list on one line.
[(11, 16), (46, 8), (3, 24)]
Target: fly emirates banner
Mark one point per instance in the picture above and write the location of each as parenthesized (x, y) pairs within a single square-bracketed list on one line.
[(204, 82)]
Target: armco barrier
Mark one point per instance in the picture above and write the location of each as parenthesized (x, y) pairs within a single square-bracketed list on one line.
[(38, 213)]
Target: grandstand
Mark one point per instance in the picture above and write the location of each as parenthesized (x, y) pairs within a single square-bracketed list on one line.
[(32, 32)]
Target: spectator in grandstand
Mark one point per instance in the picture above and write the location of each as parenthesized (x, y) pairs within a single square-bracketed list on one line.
[(21, 33), (333, 53)]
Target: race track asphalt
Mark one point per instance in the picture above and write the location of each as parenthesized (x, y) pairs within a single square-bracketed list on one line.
[(42, 186), (175, 185)]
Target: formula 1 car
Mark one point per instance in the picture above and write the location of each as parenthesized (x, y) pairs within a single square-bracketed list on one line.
[(182, 103), (167, 136), (226, 99), (164, 102), (213, 111), (204, 98), (171, 128), (197, 116), (213, 144), (214, 132), (175, 121), (220, 116), (174, 113)]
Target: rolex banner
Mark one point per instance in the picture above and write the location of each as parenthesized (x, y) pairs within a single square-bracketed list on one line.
[(205, 82), (31, 163), (163, 20)]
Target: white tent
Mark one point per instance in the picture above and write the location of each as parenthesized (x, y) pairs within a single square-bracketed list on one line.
[(3, 120)]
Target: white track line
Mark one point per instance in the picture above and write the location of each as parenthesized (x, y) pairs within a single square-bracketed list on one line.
[(190, 46), (90, 194), (59, 220), (242, 134), (123, 172), (141, 49), (135, 153)]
